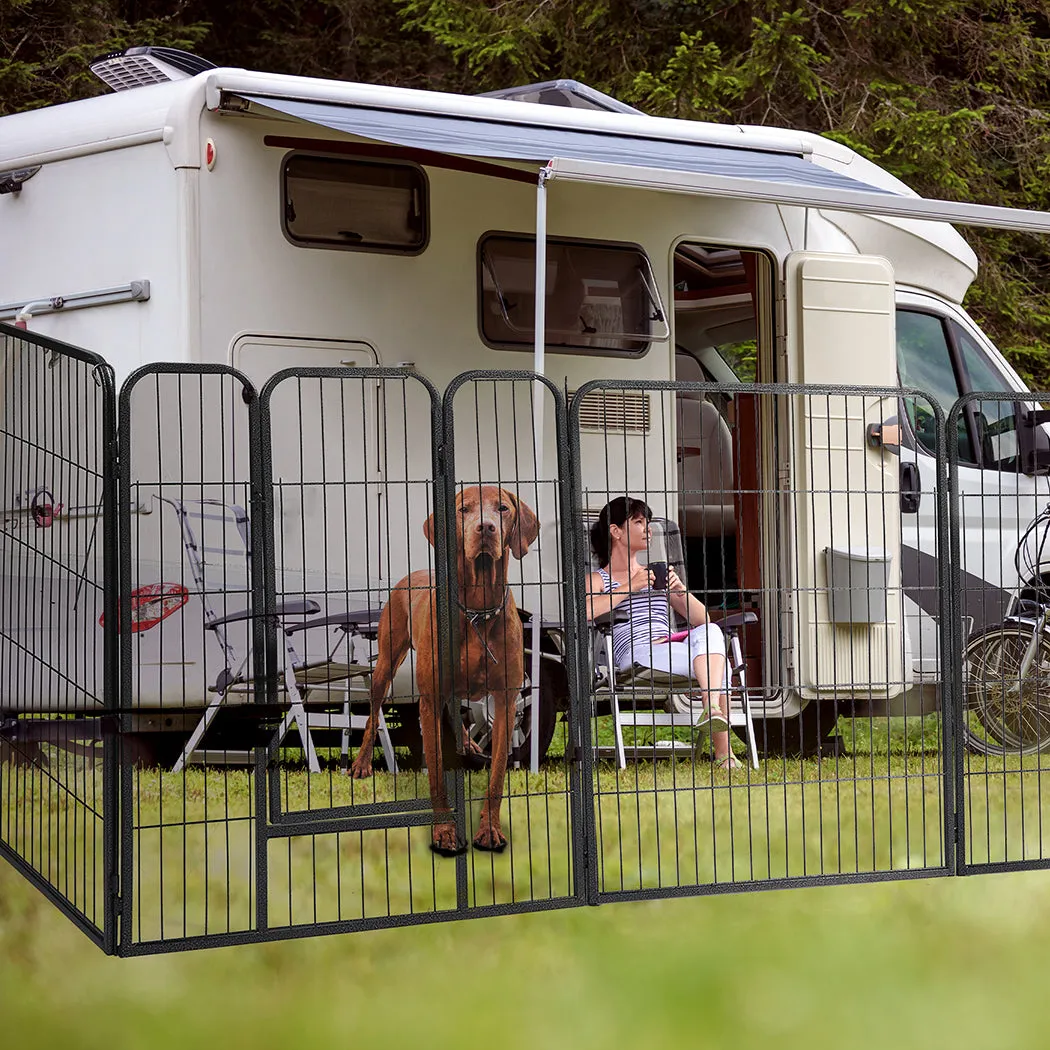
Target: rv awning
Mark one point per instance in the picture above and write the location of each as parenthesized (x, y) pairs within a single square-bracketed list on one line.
[(859, 197), (464, 136)]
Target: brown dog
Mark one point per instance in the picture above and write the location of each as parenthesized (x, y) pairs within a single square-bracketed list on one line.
[(491, 524)]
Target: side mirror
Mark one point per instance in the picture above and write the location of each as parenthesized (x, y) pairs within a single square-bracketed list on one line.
[(1033, 445)]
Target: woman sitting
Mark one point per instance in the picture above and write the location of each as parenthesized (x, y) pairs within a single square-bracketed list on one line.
[(621, 533)]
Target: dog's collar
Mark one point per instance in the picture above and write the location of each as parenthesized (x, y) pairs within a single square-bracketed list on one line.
[(477, 618)]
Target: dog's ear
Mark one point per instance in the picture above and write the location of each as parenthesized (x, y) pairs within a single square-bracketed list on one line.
[(526, 527), (428, 529)]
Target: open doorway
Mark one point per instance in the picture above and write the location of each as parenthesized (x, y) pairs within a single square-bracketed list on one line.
[(723, 334)]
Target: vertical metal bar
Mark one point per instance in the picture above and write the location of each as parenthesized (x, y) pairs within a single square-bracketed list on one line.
[(538, 365), (111, 474), (950, 641), (585, 841), (446, 595), (124, 692), (951, 646), (264, 602)]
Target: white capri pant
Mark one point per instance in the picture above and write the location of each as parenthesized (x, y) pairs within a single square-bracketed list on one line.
[(706, 639)]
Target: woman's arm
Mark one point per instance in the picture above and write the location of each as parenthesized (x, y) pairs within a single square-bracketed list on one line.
[(688, 606), (599, 600)]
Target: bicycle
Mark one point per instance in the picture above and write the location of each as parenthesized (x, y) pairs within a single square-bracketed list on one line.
[(1006, 667)]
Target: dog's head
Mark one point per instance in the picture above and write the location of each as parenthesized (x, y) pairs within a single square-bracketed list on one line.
[(490, 524)]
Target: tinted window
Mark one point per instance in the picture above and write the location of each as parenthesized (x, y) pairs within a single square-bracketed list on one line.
[(924, 361), (995, 421), (337, 202), (600, 297)]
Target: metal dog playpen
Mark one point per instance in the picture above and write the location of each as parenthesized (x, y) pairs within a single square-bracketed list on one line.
[(193, 577)]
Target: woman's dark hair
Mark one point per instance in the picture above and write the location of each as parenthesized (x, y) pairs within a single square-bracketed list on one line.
[(616, 512)]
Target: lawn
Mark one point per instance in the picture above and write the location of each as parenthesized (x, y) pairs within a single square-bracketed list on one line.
[(947, 962), (914, 963), (667, 826)]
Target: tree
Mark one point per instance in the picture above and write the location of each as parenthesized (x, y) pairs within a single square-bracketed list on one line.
[(952, 97)]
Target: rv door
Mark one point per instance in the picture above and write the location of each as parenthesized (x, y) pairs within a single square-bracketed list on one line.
[(843, 507)]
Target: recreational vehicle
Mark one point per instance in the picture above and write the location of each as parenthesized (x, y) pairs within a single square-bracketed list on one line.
[(200, 216)]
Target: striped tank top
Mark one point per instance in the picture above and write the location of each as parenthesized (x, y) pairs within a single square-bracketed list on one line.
[(650, 617)]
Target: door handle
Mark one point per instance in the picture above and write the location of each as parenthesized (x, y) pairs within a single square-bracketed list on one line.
[(910, 488)]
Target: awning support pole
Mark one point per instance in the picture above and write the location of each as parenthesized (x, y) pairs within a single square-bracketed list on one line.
[(538, 364)]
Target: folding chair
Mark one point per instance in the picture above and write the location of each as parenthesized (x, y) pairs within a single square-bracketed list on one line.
[(641, 696), (298, 676)]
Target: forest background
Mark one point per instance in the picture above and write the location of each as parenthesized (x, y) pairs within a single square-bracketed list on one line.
[(952, 97)]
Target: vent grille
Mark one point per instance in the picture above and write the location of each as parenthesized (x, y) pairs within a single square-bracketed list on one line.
[(623, 410), (141, 66), (123, 73)]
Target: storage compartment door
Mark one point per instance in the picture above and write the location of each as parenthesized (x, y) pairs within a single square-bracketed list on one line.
[(844, 495)]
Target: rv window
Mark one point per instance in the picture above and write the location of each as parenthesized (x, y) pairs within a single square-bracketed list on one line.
[(994, 421), (924, 361), (742, 358), (339, 202), (600, 297)]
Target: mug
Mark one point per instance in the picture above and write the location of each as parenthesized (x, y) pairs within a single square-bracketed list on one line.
[(659, 570)]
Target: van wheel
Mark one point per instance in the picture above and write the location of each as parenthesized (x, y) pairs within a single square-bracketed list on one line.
[(402, 720), (148, 750), (553, 695), (1003, 713), (812, 733)]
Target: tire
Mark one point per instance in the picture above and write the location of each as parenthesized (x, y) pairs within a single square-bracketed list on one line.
[(1004, 715), (403, 722), (812, 733), (553, 695)]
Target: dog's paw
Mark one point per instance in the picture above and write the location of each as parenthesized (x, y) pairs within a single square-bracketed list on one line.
[(445, 842), (362, 767), (491, 839)]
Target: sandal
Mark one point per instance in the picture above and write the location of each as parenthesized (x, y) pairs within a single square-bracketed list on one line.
[(728, 762), (712, 719)]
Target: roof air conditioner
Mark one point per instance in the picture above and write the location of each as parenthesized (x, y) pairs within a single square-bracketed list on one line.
[(140, 66)]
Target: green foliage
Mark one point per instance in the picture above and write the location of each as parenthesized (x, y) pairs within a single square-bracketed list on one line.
[(45, 46), (696, 80), (950, 96)]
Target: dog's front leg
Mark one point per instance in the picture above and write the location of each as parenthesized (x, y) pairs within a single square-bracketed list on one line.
[(490, 836), (443, 837)]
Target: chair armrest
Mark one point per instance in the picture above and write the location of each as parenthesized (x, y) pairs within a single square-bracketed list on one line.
[(738, 619), (298, 608), (547, 623), (606, 621), (362, 621)]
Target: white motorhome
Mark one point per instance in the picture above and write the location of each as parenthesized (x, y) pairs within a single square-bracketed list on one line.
[(262, 221)]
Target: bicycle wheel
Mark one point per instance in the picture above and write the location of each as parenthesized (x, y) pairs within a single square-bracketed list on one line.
[(1003, 713)]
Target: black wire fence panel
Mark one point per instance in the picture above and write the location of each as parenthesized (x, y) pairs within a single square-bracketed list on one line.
[(349, 464), (336, 653), (999, 455), (190, 654), (791, 727), (510, 548), (57, 681)]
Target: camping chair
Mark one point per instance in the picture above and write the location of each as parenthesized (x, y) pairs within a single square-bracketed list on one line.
[(298, 677), (641, 696)]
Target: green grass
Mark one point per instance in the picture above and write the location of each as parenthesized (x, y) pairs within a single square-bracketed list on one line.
[(761, 967), (916, 965)]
